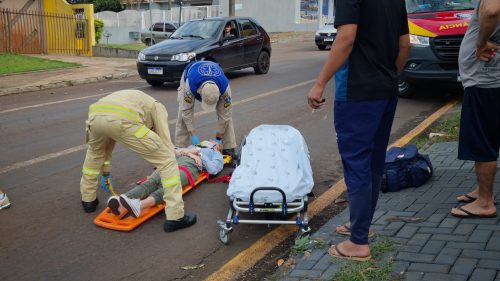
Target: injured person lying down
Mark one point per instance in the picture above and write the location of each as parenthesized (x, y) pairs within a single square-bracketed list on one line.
[(192, 160)]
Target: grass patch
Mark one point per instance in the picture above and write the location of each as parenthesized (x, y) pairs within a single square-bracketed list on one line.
[(14, 63), (133, 47), (445, 129), (305, 244), (379, 268)]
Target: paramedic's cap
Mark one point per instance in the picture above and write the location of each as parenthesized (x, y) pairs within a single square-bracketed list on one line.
[(209, 96)]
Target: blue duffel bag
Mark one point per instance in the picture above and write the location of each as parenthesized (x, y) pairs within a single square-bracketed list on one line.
[(405, 167)]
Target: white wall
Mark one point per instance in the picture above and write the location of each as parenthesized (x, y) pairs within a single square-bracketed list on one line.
[(121, 25), (273, 15)]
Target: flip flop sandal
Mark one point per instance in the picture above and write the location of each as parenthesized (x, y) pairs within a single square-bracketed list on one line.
[(470, 199), (347, 232), (472, 215), (341, 255)]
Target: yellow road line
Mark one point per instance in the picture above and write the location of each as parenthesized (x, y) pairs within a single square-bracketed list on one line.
[(424, 125), (250, 256)]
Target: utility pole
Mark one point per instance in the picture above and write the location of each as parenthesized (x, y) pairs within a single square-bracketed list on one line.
[(150, 24), (170, 8), (231, 8), (180, 10)]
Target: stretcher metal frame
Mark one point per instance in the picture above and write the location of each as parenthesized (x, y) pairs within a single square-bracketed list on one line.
[(125, 222), (237, 206)]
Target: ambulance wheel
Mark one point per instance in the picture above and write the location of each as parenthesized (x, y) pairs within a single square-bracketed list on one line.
[(154, 83), (321, 47), (263, 62), (406, 90), (224, 237)]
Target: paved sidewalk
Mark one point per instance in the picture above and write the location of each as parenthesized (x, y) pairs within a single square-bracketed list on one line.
[(441, 247), (93, 69)]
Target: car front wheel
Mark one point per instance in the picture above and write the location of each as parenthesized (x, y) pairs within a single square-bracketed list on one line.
[(154, 83), (149, 42), (263, 63), (322, 47)]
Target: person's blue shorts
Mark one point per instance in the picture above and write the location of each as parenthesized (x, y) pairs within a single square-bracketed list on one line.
[(479, 138)]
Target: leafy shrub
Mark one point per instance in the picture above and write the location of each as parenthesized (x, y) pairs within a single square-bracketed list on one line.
[(99, 29)]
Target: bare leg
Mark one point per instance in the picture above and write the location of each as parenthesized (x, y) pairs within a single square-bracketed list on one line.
[(485, 172), (147, 202)]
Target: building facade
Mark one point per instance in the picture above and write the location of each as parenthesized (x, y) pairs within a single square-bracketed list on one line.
[(161, 4)]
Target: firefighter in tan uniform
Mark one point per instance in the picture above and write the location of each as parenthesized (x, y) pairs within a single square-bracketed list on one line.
[(140, 123), (205, 81)]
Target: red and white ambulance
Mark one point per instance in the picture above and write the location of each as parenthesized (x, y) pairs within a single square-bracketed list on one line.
[(437, 28)]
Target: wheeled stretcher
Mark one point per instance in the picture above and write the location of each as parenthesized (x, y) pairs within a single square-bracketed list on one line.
[(273, 176), (126, 222)]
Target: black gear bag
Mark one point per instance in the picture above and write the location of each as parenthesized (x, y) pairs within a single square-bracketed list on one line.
[(405, 167)]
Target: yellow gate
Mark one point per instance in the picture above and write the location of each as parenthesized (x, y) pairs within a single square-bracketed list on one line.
[(34, 32)]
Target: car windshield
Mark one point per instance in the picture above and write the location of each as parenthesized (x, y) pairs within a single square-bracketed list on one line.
[(425, 6), (201, 29)]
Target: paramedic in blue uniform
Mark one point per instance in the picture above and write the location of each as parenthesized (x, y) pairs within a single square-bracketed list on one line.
[(371, 48), (204, 81)]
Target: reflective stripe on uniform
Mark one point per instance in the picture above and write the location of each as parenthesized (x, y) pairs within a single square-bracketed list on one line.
[(90, 172), (107, 163), (175, 180), (142, 132), (115, 109)]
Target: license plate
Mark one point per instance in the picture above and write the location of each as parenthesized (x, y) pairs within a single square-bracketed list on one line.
[(155, 70), (328, 39), (459, 79)]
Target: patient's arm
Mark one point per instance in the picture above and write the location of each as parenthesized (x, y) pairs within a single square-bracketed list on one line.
[(186, 151), (197, 159)]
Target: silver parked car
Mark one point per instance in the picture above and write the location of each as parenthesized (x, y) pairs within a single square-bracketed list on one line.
[(325, 36), (160, 32)]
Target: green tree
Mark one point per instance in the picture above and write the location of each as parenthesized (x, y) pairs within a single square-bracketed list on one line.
[(99, 29), (107, 5), (101, 5)]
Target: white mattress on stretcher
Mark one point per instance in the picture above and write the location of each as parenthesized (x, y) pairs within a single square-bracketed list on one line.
[(273, 156)]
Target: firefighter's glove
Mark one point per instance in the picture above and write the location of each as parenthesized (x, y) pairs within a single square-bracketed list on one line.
[(106, 182), (195, 140)]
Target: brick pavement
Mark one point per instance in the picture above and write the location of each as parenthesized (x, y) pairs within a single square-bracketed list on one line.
[(441, 247)]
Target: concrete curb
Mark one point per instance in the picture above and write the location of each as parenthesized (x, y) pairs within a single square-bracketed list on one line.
[(67, 83), (114, 52)]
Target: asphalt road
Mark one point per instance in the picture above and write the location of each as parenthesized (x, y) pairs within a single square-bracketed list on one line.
[(45, 235)]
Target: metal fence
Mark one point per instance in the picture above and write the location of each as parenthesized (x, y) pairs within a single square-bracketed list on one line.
[(34, 32)]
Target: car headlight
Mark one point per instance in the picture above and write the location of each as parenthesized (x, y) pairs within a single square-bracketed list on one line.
[(183, 56), (141, 57), (419, 41), (317, 33)]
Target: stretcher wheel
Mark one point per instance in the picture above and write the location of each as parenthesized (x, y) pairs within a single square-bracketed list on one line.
[(303, 232), (224, 237)]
